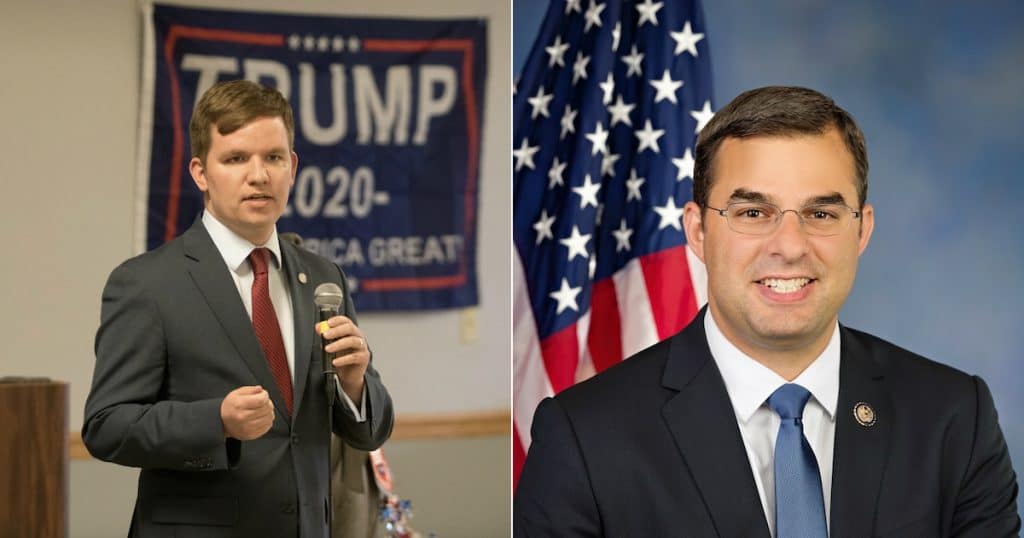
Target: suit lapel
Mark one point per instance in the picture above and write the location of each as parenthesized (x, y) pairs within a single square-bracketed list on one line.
[(206, 268), (860, 450), (703, 424), (302, 313)]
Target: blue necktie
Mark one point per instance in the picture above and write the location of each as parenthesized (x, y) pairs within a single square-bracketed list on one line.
[(799, 505)]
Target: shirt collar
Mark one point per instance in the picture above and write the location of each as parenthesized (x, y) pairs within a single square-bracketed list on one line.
[(750, 383), (234, 248)]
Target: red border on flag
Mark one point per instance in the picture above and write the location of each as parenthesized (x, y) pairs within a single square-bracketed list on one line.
[(465, 46)]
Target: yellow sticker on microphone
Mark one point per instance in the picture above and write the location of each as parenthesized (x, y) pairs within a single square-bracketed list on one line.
[(323, 326)]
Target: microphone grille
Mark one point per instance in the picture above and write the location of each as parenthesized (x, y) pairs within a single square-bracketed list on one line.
[(328, 295)]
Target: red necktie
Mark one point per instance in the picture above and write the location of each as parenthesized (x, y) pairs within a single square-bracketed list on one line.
[(268, 330)]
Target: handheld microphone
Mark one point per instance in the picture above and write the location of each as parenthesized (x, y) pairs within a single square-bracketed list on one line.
[(328, 298)]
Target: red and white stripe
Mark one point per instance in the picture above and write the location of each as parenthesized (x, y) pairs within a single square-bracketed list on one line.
[(648, 300)]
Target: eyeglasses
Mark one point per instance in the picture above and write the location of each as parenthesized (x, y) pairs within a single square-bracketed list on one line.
[(761, 218)]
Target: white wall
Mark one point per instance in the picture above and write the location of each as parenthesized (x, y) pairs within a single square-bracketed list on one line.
[(69, 84)]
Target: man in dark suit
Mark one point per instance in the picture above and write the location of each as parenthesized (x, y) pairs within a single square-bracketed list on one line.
[(206, 371), (766, 417)]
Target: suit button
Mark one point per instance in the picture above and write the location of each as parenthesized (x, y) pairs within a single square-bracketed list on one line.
[(295, 438)]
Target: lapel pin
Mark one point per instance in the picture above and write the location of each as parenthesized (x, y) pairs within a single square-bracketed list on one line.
[(302, 278), (864, 414)]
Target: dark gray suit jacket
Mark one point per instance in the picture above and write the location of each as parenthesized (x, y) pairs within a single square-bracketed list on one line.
[(174, 339), (651, 447)]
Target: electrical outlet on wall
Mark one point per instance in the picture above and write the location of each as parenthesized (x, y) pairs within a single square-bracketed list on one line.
[(468, 328)]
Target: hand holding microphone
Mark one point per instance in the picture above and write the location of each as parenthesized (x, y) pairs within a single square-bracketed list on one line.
[(345, 343)]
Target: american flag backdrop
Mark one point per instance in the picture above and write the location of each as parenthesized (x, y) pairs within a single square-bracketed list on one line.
[(606, 114)]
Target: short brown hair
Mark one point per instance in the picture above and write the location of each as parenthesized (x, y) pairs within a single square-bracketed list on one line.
[(777, 111), (232, 104)]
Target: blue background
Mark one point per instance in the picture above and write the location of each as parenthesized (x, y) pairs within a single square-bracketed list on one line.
[(937, 88)]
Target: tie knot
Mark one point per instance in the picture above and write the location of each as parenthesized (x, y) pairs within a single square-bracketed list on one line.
[(258, 260), (789, 401)]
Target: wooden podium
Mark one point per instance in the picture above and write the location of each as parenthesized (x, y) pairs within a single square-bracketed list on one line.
[(33, 458)]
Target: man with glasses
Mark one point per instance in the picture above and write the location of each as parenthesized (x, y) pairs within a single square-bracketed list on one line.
[(766, 417)]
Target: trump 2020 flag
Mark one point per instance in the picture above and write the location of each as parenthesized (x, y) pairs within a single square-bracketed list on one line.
[(606, 115), (387, 130)]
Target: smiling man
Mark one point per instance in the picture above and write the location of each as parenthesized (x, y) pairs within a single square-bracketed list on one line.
[(766, 416), (207, 374)]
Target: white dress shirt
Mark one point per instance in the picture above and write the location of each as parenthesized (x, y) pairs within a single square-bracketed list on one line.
[(750, 383), (235, 250)]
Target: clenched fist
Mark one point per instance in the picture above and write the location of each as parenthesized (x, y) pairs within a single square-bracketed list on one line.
[(247, 413)]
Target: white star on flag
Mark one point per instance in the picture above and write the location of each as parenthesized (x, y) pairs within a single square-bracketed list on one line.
[(567, 122), (616, 35), (648, 11), (557, 52), (587, 192), (648, 137), (670, 215), (622, 236), (573, 5), (579, 67), (632, 61), (666, 88), (685, 165), (540, 103), (703, 116), (524, 155), (599, 139), (543, 226), (566, 297), (608, 164), (593, 15), (686, 40), (620, 112), (555, 174), (608, 89), (576, 243), (633, 186)]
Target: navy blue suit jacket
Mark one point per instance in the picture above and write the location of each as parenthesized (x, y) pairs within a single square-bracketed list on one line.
[(651, 447)]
